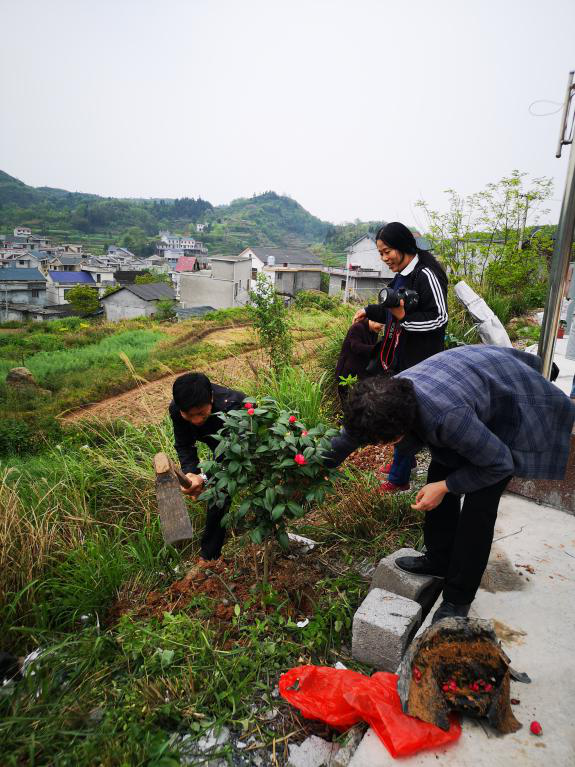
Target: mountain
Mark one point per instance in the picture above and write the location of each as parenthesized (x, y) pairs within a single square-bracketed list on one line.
[(266, 219)]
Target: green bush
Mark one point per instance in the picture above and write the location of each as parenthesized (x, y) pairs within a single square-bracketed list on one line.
[(316, 299)]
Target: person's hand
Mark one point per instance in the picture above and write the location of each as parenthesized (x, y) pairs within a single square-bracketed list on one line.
[(196, 487), (359, 315), (430, 496), (398, 311)]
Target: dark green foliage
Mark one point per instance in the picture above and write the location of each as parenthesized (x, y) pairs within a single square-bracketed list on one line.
[(316, 299), (84, 299)]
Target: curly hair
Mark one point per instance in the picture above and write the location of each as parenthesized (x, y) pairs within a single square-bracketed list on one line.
[(379, 410)]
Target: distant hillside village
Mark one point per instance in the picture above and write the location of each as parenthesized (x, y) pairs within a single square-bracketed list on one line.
[(36, 276)]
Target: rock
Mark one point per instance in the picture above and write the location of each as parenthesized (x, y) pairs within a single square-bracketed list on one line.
[(420, 588), (383, 627), (22, 377), (95, 716), (349, 746), (313, 752), (303, 545), (192, 752), (371, 752)]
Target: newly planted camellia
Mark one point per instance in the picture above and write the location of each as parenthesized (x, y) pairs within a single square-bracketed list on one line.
[(268, 459)]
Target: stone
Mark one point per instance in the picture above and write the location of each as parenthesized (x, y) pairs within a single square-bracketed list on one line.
[(371, 752), (383, 627), (20, 376), (313, 752), (303, 545), (420, 588), (191, 752), (349, 745)]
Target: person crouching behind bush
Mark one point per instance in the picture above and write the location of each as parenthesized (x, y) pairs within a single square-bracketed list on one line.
[(356, 352), (486, 414), (194, 410)]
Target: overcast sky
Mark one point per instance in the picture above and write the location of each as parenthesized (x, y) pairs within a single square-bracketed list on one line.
[(355, 108)]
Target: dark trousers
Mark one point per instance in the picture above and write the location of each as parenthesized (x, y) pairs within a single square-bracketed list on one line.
[(458, 538), (214, 534), (401, 467)]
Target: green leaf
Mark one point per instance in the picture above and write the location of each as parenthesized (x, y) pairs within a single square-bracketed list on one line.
[(256, 535), (278, 511), (270, 498), (337, 626), (233, 466), (237, 610), (287, 463), (236, 448), (244, 508), (283, 540)]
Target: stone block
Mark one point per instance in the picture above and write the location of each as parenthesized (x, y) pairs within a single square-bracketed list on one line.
[(420, 588), (313, 752), (383, 627)]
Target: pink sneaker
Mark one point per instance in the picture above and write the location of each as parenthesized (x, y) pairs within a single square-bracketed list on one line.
[(389, 487)]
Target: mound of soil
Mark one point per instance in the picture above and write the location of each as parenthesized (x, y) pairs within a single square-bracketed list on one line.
[(371, 457), (293, 577)]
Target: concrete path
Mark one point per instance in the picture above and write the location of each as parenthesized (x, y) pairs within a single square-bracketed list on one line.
[(537, 627), (565, 365)]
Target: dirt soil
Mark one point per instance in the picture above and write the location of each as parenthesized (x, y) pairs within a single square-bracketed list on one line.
[(149, 402), (293, 576), (371, 457)]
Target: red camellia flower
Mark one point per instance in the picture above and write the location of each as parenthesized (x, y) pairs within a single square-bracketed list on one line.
[(251, 411), (292, 419), (304, 433), (248, 405), (536, 728), (300, 459)]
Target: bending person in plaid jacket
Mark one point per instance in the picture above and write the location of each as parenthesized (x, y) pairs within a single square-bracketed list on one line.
[(486, 414)]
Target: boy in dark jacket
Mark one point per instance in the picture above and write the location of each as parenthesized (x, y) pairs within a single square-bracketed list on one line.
[(195, 417), (410, 337), (356, 352)]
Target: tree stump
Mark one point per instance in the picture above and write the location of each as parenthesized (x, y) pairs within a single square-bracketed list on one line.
[(457, 664)]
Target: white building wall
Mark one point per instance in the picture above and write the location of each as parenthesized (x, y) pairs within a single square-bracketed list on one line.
[(366, 255), (126, 306)]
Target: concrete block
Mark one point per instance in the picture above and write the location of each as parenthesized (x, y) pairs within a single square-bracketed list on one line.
[(371, 752), (313, 752), (350, 742), (421, 588), (383, 627)]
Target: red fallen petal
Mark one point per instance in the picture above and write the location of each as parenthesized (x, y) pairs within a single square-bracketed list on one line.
[(445, 688), (475, 687), (488, 688), (536, 728)]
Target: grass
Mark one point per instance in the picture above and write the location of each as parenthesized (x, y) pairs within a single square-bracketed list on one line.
[(79, 527)]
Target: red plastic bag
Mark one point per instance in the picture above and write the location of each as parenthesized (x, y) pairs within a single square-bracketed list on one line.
[(342, 698)]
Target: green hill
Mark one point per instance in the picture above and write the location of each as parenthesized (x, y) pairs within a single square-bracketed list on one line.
[(267, 219)]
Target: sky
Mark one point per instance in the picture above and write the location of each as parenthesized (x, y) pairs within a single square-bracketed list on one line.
[(356, 109)]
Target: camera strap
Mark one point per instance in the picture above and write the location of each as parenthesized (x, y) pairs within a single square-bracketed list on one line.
[(389, 345)]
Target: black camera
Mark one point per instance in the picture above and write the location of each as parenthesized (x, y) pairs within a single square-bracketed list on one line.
[(390, 298)]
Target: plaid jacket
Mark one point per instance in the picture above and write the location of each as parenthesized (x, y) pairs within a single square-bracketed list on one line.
[(487, 412)]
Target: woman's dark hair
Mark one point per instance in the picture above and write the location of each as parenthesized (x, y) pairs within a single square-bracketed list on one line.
[(380, 409), (399, 237), (192, 390)]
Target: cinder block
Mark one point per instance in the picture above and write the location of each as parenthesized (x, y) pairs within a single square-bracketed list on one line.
[(421, 588), (383, 627)]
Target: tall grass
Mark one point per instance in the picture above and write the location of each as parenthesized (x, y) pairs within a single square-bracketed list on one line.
[(295, 389), (75, 523), (136, 344)]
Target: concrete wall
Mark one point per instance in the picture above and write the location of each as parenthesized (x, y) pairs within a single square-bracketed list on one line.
[(22, 295), (124, 305), (205, 289), (366, 254), (359, 287)]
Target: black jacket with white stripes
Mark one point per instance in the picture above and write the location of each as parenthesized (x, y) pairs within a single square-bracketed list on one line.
[(423, 329)]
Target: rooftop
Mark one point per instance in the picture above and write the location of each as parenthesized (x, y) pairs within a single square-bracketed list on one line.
[(71, 278), (153, 292), (288, 256), (12, 274)]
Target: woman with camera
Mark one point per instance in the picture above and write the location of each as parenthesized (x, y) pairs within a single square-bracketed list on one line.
[(413, 308)]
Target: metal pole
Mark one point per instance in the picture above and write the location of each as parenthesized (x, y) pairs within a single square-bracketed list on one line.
[(561, 252), (346, 291)]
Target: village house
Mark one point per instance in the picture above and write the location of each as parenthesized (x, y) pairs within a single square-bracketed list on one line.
[(225, 285), (66, 263), (289, 269), (23, 295), (367, 272), (136, 301), (102, 274), (60, 283)]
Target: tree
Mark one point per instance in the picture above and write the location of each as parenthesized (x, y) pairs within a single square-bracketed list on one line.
[(267, 456), (84, 299), (485, 238), (271, 323), (165, 309), (152, 276)]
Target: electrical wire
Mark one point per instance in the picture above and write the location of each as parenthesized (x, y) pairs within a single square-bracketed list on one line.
[(544, 114)]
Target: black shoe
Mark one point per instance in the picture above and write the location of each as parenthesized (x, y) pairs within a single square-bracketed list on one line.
[(419, 566), (450, 610)]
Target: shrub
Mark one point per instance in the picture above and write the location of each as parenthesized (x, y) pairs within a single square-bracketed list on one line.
[(267, 455), (316, 299), (270, 321)]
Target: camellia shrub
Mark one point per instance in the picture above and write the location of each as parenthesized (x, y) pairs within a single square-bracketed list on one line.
[(267, 455)]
